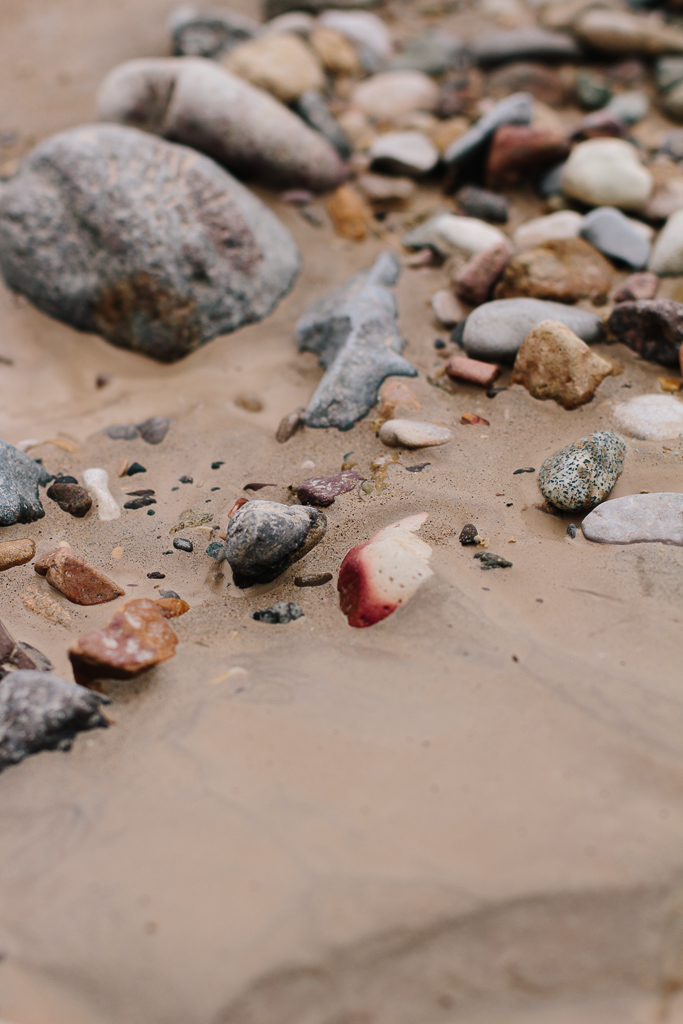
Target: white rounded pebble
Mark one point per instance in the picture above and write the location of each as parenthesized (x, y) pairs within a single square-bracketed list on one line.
[(637, 519), (408, 152), (391, 94), (97, 483), (413, 434), (447, 233), (607, 172), (650, 417), (667, 254), (563, 224)]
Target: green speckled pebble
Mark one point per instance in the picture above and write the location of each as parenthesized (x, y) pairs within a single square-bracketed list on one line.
[(582, 474)]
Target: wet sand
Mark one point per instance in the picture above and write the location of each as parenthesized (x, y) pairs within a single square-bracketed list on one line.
[(470, 812)]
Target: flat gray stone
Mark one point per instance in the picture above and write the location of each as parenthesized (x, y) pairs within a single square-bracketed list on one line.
[(265, 537), (20, 476), (581, 475), (149, 244), (515, 109), (637, 519), (505, 45), (495, 331), (614, 235)]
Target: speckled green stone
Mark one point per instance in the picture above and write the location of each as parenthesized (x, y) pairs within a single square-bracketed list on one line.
[(582, 474)]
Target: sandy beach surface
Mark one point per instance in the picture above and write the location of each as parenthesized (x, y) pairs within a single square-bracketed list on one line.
[(471, 812)]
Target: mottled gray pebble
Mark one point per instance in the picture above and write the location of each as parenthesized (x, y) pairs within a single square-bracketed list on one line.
[(581, 475), (637, 518), (265, 537), (280, 613), (20, 476)]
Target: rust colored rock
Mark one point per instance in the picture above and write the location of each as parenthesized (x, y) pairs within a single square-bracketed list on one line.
[(517, 149), (18, 656), (323, 490), (653, 328), (554, 363), (71, 498), (563, 270), (79, 581), (172, 607), (137, 638), (637, 287), (473, 371), (349, 213), (473, 283), (16, 552)]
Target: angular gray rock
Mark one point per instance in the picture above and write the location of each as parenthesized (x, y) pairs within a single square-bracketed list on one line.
[(149, 244), (39, 711), (210, 33), (20, 477), (581, 475), (265, 537), (614, 235), (515, 109), (637, 519), (495, 331), (200, 104), (353, 332), (279, 614)]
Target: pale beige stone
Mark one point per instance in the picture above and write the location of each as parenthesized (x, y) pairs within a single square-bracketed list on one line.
[(553, 362), (282, 64), (391, 94), (337, 53)]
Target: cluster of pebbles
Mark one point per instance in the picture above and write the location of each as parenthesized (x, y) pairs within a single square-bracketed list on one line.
[(141, 228)]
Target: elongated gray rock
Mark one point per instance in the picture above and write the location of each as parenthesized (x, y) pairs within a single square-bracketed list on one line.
[(149, 244), (515, 109), (39, 711), (265, 537), (495, 331), (581, 475), (637, 519), (353, 332), (200, 104), (20, 477)]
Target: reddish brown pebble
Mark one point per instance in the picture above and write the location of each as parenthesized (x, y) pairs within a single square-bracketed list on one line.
[(637, 287), (474, 282), (238, 505), (317, 579), (470, 419), (72, 576), (518, 149), (16, 552), (172, 607), (289, 425), (322, 490), (137, 638), (472, 370)]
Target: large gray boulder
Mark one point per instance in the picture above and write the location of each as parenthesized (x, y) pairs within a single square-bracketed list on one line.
[(200, 104), (149, 244)]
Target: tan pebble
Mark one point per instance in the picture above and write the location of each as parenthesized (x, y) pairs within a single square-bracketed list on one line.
[(335, 51), (172, 607), (45, 605), (16, 552), (289, 425), (123, 467), (117, 553), (249, 402), (349, 213), (553, 363)]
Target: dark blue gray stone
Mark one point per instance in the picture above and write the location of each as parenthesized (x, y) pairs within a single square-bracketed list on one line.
[(353, 332), (279, 614), (312, 107), (147, 243), (265, 537), (495, 331), (212, 34), (581, 475), (515, 109), (613, 234), (39, 711), (20, 477), (482, 204), (499, 47)]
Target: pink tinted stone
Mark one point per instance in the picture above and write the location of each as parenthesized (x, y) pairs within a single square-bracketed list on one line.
[(473, 284), (637, 287), (472, 370)]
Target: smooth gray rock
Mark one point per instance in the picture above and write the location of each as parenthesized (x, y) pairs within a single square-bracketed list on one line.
[(312, 107), (353, 332), (265, 537), (637, 519), (629, 107), (615, 236), (39, 711), (279, 614), (495, 331), (515, 109), (202, 105), (581, 475), (433, 52), (498, 47), (211, 33), (20, 477), (149, 244)]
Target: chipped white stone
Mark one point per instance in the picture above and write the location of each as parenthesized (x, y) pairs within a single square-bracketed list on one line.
[(667, 255), (392, 94), (637, 519), (405, 152), (650, 417), (607, 172), (413, 434), (560, 225), (447, 234), (96, 481)]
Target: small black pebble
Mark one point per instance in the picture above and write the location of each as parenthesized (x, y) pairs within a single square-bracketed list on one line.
[(168, 593), (527, 469), (143, 492), (134, 468), (185, 480), (417, 469), (180, 544), (151, 512), (156, 575), (141, 502), (490, 561), (175, 488), (215, 488), (468, 534), (65, 480), (439, 343), (571, 530), (217, 465), (508, 504)]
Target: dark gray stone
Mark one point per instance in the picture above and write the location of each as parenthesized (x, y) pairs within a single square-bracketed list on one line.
[(312, 107), (279, 614), (497, 47), (39, 711), (182, 544), (122, 432), (433, 52), (154, 429), (581, 475), (637, 519), (265, 537), (149, 244), (651, 327), (515, 109), (613, 234), (480, 203), (20, 477), (211, 34), (495, 331), (353, 332)]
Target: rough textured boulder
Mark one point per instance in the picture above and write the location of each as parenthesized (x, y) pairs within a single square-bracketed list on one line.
[(149, 244)]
